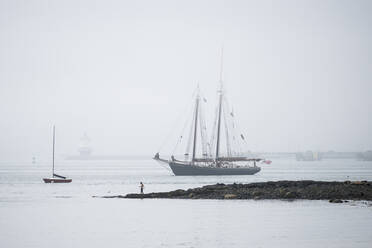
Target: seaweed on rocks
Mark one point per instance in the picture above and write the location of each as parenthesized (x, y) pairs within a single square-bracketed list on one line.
[(288, 190)]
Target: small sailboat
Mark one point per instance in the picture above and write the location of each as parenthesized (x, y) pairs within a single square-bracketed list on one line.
[(212, 161), (56, 178)]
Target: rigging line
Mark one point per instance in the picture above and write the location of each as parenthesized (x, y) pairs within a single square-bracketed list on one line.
[(195, 125), (165, 167), (180, 138), (235, 144), (213, 135), (190, 135), (184, 127), (176, 124), (203, 129), (241, 142)]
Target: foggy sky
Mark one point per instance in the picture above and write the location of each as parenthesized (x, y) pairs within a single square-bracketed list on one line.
[(298, 73)]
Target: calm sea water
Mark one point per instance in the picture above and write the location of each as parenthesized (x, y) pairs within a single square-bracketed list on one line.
[(34, 214)]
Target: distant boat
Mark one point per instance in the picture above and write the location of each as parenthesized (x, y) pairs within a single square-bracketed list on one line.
[(308, 156), (365, 156), (56, 178), (212, 162)]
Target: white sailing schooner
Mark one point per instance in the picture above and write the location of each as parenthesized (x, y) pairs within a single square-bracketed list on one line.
[(212, 161)]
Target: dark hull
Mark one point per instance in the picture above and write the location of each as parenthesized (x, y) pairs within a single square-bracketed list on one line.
[(56, 180), (182, 169)]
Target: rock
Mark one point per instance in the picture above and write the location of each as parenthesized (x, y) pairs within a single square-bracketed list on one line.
[(178, 192), (230, 196), (256, 193), (312, 190), (360, 183), (335, 201), (290, 195), (283, 193), (356, 182)]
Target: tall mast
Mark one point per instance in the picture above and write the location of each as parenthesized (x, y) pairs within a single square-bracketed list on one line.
[(54, 139), (221, 66), (219, 124), (195, 125), (219, 109)]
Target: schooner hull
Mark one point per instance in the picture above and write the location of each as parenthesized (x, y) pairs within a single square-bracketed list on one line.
[(180, 169)]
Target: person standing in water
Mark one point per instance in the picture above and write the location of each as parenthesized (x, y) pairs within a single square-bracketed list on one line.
[(142, 187)]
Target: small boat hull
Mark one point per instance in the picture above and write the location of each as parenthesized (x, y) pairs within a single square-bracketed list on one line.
[(182, 169), (57, 180)]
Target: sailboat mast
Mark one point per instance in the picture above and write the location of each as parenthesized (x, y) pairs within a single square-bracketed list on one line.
[(54, 139), (219, 110), (195, 126), (219, 125)]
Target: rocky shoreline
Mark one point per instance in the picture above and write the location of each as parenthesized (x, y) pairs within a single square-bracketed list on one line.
[(335, 192)]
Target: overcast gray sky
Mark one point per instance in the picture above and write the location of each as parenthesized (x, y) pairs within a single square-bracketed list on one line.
[(298, 73)]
